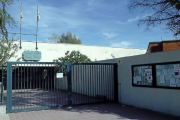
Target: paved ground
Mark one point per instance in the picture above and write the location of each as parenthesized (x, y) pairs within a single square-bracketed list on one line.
[(110, 111), (32, 98)]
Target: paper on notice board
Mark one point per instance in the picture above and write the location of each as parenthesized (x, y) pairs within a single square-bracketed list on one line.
[(176, 73), (135, 80), (149, 78), (177, 67), (165, 72), (147, 67), (148, 70), (162, 80), (158, 73), (138, 78), (172, 82), (177, 82)]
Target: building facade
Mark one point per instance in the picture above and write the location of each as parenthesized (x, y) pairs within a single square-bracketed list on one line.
[(163, 46), (51, 51)]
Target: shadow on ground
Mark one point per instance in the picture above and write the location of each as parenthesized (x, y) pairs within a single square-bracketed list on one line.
[(34, 98), (121, 111)]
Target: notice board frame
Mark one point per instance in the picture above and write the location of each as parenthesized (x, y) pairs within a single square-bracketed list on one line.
[(154, 81)]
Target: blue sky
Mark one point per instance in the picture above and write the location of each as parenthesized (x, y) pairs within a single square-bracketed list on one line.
[(95, 22)]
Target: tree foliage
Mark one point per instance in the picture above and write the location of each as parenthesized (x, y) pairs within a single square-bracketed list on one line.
[(64, 38), (5, 18), (165, 11), (7, 47), (7, 50), (73, 57)]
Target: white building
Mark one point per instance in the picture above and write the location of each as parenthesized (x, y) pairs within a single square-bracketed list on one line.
[(51, 51)]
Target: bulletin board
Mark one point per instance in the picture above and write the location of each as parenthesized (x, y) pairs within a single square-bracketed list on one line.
[(157, 75), (168, 75), (142, 75)]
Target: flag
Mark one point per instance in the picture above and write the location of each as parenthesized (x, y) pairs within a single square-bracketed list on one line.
[(21, 15), (38, 16)]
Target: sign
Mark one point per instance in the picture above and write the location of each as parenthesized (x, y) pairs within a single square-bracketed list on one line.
[(59, 75), (31, 55), (177, 67), (172, 82)]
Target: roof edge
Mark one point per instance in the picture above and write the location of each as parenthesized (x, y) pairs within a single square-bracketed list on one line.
[(79, 44)]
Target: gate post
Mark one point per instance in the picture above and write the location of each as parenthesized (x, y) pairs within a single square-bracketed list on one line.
[(116, 83), (69, 66), (2, 85), (9, 87)]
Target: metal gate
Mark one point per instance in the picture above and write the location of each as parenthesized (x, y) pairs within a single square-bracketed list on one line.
[(35, 86), (94, 83)]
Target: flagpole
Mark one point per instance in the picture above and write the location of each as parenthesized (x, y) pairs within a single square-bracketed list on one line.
[(20, 25), (20, 36), (37, 29), (4, 21)]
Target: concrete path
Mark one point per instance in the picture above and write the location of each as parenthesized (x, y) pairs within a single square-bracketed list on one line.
[(108, 111), (3, 115)]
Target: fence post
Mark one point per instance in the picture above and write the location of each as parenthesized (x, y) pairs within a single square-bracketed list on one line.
[(115, 83), (9, 87), (2, 85), (69, 66)]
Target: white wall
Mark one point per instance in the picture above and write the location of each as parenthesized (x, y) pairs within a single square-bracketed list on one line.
[(157, 99), (51, 51)]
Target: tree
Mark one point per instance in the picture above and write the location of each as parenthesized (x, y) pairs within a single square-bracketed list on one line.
[(5, 18), (7, 47), (163, 11), (64, 38), (73, 57), (7, 50)]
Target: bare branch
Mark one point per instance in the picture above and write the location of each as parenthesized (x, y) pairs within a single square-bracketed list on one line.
[(166, 11)]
